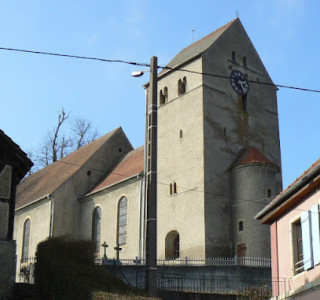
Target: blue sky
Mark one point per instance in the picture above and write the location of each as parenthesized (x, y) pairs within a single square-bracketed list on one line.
[(34, 87)]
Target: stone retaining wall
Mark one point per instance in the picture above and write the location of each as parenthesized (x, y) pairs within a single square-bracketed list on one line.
[(7, 267)]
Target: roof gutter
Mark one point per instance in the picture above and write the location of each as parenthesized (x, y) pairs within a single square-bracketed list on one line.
[(288, 193), (47, 196)]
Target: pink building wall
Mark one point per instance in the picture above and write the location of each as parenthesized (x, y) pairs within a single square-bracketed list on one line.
[(282, 248)]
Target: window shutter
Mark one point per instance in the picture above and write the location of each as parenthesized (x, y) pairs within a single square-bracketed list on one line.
[(315, 233), (306, 240)]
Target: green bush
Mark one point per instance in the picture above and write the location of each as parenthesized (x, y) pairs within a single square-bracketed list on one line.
[(65, 270)]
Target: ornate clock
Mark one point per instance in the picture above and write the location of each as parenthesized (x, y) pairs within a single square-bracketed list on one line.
[(239, 82)]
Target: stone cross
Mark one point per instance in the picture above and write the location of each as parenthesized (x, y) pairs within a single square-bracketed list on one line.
[(105, 246), (118, 249)]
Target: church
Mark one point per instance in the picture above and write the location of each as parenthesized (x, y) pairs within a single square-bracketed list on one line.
[(218, 165)]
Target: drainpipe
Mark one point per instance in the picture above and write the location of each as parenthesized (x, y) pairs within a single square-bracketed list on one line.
[(51, 215), (141, 221)]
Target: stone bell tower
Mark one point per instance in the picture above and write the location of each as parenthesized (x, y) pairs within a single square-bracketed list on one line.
[(210, 113)]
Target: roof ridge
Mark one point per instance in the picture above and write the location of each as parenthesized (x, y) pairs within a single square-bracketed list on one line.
[(72, 153), (196, 48), (36, 184), (208, 35)]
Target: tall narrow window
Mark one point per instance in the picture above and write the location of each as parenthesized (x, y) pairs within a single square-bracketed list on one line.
[(234, 55), (26, 240), (182, 86), (174, 187), (244, 103), (172, 246), (96, 228), (164, 95), (244, 61), (269, 193), (122, 221)]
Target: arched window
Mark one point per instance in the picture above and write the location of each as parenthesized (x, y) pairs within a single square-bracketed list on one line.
[(172, 245), (26, 239), (122, 221), (164, 95), (182, 86), (96, 228)]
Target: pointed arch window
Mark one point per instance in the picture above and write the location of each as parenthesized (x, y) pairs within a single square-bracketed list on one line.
[(122, 221), (182, 83), (96, 228), (26, 239), (172, 245)]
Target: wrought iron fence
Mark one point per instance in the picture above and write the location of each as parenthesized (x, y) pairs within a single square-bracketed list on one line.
[(26, 269), (212, 261)]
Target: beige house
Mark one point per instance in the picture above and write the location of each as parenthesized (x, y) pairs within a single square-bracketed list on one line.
[(218, 156), (293, 217)]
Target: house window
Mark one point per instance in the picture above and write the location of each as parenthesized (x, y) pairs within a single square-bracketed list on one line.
[(163, 96), (182, 86), (306, 240), (170, 189), (172, 245), (181, 134), (26, 240), (122, 221), (96, 229), (297, 247)]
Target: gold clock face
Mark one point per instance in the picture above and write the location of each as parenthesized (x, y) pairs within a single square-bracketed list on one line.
[(239, 82)]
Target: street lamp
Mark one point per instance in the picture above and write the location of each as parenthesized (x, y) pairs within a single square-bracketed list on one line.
[(138, 73), (151, 176)]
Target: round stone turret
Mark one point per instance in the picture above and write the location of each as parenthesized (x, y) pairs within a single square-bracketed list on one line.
[(253, 186)]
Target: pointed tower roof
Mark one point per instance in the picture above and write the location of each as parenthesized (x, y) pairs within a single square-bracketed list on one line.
[(253, 156), (197, 47)]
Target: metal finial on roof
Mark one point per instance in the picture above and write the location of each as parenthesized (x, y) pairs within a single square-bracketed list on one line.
[(237, 14), (192, 35)]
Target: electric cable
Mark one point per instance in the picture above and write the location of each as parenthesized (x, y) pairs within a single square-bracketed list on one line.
[(159, 67)]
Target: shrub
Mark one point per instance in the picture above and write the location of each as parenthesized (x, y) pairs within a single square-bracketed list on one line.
[(65, 270)]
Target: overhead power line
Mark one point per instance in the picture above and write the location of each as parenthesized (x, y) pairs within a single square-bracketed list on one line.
[(160, 67)]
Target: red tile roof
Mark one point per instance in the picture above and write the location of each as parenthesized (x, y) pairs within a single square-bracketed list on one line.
[(253, 155), (132, 164), (304, 174), (50, 178), (293, 194)]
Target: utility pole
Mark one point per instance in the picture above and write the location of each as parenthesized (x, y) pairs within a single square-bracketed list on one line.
[(151, 173)]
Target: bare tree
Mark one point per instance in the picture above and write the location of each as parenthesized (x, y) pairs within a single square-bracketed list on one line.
[(56, 144), (83, 133)]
